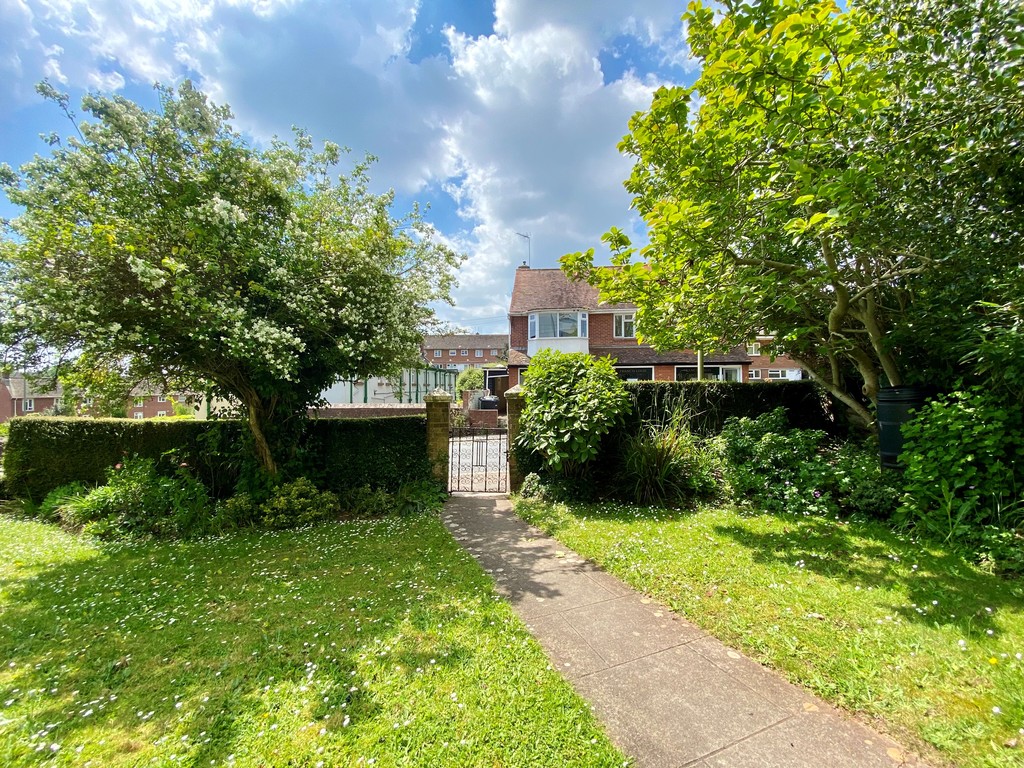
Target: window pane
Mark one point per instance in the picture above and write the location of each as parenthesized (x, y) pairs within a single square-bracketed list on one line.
[(618, 325), (567, 325), (547, 323), (533, 327)]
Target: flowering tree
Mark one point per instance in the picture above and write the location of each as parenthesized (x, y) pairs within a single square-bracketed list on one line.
[(162, 242)]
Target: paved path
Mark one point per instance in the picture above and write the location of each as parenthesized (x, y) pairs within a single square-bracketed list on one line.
[(668, 694)]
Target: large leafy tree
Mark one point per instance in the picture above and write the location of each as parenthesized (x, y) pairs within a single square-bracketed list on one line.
[(163, 243), (852, 181)]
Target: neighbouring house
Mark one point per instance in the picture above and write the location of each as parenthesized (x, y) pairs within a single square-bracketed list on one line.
[(550, 311), (20, 396), (764, 366), (459, 351), (144, 404)]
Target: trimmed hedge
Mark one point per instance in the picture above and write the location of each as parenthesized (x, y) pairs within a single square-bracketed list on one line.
[(710, 403), (383, 453), (44, 453)]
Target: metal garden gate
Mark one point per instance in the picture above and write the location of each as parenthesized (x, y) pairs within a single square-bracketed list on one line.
[(478, 459)]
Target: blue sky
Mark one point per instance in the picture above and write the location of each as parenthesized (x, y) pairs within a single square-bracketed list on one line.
[(503, 116)]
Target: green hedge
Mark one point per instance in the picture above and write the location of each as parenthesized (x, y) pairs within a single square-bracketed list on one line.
[(382, 453), (44, 453), (710, 403)]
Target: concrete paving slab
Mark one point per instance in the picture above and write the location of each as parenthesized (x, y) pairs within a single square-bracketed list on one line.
[(624, 629), (812, 740), (760, 680), (668, 694), (673, 707), (569, 651)]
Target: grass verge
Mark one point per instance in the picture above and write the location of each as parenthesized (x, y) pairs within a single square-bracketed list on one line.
[(372, 642), (926, 645)]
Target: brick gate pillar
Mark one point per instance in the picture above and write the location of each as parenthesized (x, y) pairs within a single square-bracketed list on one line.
[(439, 406), (516, 399)]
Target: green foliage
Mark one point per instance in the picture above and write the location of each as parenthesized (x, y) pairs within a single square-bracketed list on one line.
[(164, 239), (571, 401), (383, 453), (53, 508), (964, 458), (666, 463), (421, 497), (861, 487), (843, 177), (708, 404), (296, 504), (136, 501), (43, 454), (469, 378)]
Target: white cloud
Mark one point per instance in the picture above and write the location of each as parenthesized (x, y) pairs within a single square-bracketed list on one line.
[(519, 126)]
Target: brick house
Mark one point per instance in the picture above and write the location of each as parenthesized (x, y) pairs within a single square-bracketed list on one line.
[(550, 311), (20, 397), (766, 367), (464, 350)]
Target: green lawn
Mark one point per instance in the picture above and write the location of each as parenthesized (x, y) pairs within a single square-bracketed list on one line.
[(373, 642), (922, 644)]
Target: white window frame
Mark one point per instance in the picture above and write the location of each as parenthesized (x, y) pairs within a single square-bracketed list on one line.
[(463, 353), (722, 367), (138, 402), (494, 352), (453, 353), (437, 353), (478, 353), (777, 374), (28, 405), (754, 349), (619, 325), (138, 415), (754, 374), (161, 398), (582, 325), (87, 402), (161, 413)]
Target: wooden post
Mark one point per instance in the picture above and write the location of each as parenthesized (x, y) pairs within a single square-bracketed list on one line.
[(516, 399), (439, 406)]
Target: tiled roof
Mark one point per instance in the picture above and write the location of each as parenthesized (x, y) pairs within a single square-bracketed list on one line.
[(21, 387), (548, 289), (517, 358), (467, 341)]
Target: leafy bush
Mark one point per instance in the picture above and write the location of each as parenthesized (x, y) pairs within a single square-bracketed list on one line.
[(784, 470), (298, 503), (964, 459), (861, 486), (137, 501), (53, 507), (469, 378), (708, 404), (571, 401), (666, 463)]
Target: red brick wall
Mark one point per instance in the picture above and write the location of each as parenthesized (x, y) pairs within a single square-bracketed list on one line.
[(519, 328), (6, 404), (482, 418), (39, 404), (602, 332)]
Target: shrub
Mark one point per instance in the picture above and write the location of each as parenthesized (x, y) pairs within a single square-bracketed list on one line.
[(666, 463), (469, 378), (964, 467), (571, 401), (137, 501), (298, 503), (784, 470), (53, 507), (861, 486), (708, 404)]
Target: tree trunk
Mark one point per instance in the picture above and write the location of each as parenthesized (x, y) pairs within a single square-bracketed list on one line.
[(257, 413), (857, 408)]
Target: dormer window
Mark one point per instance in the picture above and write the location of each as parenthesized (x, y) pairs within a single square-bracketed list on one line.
[(558, 325)]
